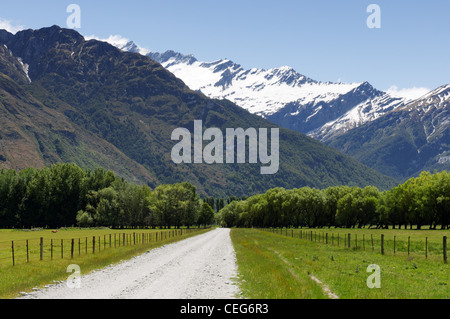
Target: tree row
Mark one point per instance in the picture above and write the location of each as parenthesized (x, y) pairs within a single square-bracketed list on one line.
[(66, 195), (422, 201)]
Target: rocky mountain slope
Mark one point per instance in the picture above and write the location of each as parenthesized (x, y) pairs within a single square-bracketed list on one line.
[(406, 141), (100, 106), (334, 113)]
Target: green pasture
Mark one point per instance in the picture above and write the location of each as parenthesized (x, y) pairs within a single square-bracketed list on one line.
[(275, 266)]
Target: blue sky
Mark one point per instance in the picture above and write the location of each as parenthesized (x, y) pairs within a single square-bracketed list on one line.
[(327, 40)]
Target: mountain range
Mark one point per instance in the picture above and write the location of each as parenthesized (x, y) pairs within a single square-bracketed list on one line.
[(397, 136), (67, 99)]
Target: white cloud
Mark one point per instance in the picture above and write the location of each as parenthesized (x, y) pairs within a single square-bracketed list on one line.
[(116, 40), (408, 93), (119, 42), (9, 26)]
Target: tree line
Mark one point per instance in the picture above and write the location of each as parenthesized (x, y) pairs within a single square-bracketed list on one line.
[(67, 195), (421, 201)]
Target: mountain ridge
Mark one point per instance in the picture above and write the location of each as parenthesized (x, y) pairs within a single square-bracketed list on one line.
[(330, 117), (132, 103), (282, 95)]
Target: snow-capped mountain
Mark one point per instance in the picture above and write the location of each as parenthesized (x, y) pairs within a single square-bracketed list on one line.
[(284, 96), (406, 141), (322, 110), (394, 135)]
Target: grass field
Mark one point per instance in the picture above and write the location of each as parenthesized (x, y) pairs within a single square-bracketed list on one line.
[(275, 266), (426, 243), (27, 275)]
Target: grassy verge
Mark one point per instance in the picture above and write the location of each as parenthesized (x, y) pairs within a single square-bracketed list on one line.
[(272, 266), (25, 276)]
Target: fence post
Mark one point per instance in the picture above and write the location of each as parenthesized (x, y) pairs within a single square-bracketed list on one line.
[(394, 245), (371, 237), (382, 244), (62, 248), (445, 249), (349, 240), (409, 241), (426, 247), (28, 256), (12, 251), (71, 248), (93, 244), (51, 249), (42, 249)]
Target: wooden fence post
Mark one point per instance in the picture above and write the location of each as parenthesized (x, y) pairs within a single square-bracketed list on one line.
[(51, 249), (62, 248), (382, 244), (394, 245), (445, 249), (93, 244), (426, 247), (409, 242), (28, 256), (71, 248), (12, 251), (41, 254)]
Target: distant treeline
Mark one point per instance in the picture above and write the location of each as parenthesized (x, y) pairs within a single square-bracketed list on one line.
[(419, 201), (66, 195)]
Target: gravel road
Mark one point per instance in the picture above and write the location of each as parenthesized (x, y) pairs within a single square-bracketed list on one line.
[(200, 267)]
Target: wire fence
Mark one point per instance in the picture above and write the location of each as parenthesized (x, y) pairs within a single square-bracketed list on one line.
[(385, 245), (16, 252)]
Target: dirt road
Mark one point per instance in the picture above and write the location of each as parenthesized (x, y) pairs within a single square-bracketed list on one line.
[(200, 267)]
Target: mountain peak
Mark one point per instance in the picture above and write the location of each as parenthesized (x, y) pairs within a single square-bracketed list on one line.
[(172, 56)]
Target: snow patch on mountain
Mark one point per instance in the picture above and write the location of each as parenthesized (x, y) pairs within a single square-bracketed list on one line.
[(320, 109)]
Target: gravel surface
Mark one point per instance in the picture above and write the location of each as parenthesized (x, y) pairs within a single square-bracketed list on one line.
[(200, 267)]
